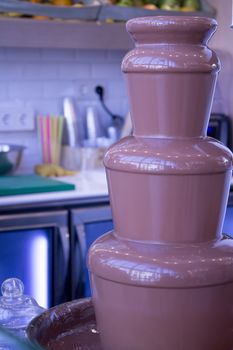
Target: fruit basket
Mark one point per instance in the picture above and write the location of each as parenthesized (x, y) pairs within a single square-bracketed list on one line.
[(13, 8), (102, 10), (124, 10)]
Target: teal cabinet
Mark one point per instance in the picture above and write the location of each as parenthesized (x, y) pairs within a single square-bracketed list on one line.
[(228, 222), (88, 224)]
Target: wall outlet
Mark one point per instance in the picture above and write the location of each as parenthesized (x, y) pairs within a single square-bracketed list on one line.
[(16, 116)]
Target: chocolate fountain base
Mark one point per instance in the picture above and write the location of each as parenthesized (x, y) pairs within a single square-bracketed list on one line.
[(70, 326)]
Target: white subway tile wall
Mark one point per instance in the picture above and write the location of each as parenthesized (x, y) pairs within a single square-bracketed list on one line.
[(43, 77)]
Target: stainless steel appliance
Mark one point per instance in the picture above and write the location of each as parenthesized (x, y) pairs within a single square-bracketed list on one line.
[(34, 247)]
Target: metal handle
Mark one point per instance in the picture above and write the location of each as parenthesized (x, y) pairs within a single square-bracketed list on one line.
[(61, 263), (79, 261), (80, 233)]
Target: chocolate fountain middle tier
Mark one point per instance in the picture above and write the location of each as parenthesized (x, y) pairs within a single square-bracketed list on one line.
[(179, 187)]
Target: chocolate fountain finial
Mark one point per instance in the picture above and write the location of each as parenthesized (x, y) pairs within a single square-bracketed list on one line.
[(164, 278)]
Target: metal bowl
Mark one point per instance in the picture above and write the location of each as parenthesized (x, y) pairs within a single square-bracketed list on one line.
[(10, 158)]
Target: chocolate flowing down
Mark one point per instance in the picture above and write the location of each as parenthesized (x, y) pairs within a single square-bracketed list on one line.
[(164, 278)]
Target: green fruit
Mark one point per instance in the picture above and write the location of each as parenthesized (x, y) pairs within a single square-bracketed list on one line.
[(125, 3), (170, 4), (138, 3), (192, 4)]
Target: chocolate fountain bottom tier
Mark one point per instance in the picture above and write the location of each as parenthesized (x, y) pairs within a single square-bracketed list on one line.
[(162, 296), (131, 317)]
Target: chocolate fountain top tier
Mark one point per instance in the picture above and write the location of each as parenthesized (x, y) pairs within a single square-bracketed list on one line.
[(157, 35), (171, 75), (199, 29)]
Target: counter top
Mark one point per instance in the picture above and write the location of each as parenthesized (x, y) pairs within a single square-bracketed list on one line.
[(89, 185)]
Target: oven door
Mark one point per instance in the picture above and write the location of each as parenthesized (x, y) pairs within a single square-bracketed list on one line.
[(35, 248)]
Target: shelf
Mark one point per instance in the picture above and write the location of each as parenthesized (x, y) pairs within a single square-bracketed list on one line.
[(65, 34), (75, 33)]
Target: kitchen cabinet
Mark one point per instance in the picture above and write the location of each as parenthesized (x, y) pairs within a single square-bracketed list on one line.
[(44, 241), (88, 224), (76, 34), (63, 225)]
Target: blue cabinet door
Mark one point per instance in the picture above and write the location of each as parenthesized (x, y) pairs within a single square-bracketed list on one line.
[(93, 231), (228, 222), (89, 224)]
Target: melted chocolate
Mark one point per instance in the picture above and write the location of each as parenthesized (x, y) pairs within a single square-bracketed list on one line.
[(69, 326)]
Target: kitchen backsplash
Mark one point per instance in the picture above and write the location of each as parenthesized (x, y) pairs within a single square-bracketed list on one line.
[(43, 77)]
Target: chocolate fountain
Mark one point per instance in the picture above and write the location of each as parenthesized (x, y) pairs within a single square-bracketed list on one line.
[(164, 278)]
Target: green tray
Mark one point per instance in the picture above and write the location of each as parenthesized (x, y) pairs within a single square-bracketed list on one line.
[(26, 184)]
